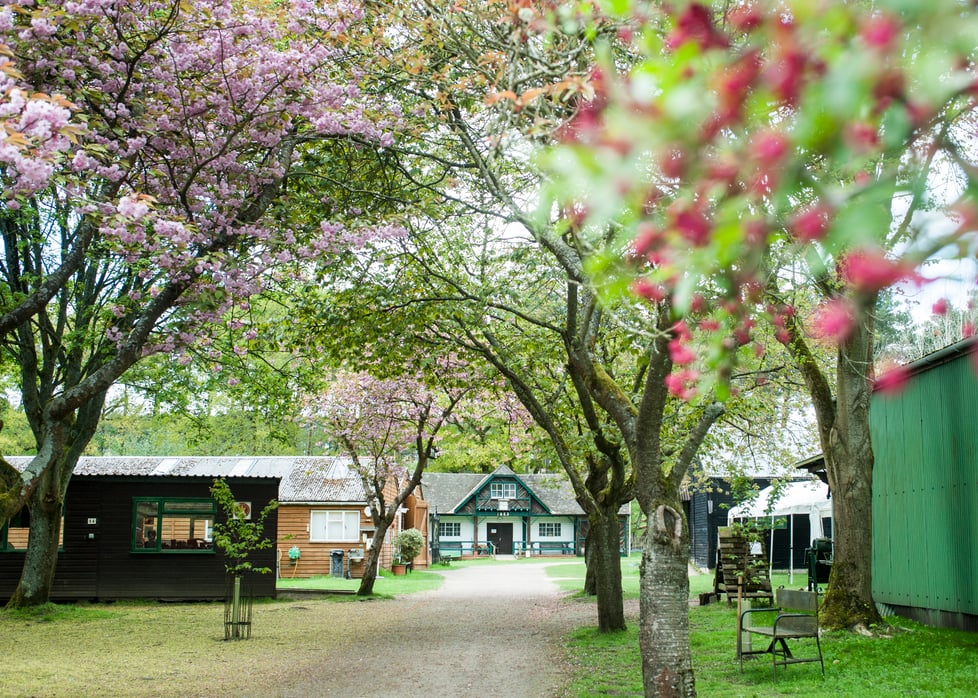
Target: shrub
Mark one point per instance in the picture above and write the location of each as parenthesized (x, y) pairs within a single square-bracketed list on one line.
[(408, 544)]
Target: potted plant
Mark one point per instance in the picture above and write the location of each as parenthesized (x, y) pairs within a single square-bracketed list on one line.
[(407, 546)]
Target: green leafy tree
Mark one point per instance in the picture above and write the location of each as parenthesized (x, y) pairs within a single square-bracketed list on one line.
[(238, 535)]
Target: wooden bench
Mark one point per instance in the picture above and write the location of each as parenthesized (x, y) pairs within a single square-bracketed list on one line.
[(552, 548), (795, 617)]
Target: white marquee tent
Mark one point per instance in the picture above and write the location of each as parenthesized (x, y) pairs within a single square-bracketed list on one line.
[(810, 497)]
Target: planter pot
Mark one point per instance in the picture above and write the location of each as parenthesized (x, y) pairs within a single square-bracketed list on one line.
[(398, 570)]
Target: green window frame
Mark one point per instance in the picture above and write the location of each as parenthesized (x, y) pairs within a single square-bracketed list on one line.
[(14, 535), (173, 525)]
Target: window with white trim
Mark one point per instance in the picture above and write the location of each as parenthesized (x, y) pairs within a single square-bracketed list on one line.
[(549, 530), (334, 526), (502, 490), (450, 529)]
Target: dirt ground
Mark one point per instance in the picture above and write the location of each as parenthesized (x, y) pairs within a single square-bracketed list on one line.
[(488, 631)]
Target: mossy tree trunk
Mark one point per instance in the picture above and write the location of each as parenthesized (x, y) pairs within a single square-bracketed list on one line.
[(605, 563), (61, 442), (843, 427)]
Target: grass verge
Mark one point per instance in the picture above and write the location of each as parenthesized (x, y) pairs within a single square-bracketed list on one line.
[(914, 660), (385, 586)]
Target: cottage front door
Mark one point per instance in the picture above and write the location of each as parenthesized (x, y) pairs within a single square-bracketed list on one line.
[(501, 537)]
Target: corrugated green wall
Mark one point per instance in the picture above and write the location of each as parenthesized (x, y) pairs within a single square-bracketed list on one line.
[(925, 491)]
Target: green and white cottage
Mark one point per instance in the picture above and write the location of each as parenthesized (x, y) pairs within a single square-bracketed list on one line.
[(503, 513)]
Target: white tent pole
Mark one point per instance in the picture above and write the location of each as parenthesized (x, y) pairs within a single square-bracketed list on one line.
[(770, 551), (791, 551)]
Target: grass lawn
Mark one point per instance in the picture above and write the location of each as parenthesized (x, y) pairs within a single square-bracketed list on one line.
[(914, 661), (137, 648), (386, 584)]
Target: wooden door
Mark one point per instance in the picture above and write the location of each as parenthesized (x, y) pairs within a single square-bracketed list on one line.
[(501, 537)]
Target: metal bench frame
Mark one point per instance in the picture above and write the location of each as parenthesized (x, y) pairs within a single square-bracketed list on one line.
[(796, 618)]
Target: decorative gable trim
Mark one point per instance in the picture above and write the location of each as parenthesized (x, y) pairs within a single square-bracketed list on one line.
[(489, 496)]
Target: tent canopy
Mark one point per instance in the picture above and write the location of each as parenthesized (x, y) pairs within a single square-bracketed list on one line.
[(810, 497)]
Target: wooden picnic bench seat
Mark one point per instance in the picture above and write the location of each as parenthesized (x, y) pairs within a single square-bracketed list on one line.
[(795, 617)]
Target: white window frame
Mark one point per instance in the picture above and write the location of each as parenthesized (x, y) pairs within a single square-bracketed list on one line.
[(324, 522), (456, 525), (552, 526), (502, 490)]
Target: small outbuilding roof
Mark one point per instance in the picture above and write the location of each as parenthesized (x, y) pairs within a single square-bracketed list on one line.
[(305, 479)]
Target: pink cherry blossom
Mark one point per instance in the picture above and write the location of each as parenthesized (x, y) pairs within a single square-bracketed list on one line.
[(835, 320), (892, 381), (872, 270)]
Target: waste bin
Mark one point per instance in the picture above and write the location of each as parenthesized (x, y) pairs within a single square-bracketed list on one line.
[(819, 558), (336, 562)]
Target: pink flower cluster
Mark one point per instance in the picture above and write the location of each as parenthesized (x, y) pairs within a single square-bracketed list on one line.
[(741, 148), (194, 113)]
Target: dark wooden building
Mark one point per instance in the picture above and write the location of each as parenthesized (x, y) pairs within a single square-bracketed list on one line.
[(142, 528), (706, 504)]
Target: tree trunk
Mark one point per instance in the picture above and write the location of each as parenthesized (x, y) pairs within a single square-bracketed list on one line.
[(590, 575), (46, 504), (849, 465), (667, 665), (11, 490), (372, 566), (604, 548), (60, 443)]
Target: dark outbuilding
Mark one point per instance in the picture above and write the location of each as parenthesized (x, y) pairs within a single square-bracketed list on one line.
[(143, 528)]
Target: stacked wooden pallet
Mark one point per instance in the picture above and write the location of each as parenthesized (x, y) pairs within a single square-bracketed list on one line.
[(736, 564)]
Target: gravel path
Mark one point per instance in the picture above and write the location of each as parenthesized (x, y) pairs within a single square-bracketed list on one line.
[(488, 631)]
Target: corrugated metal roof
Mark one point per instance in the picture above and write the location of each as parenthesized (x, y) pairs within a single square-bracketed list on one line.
[(309, 479), (322, 480)]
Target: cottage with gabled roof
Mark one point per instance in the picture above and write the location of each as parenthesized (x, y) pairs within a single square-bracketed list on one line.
[(504, 513), (325, 526)]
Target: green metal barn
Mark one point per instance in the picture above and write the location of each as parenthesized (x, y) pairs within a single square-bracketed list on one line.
[(925, 491)]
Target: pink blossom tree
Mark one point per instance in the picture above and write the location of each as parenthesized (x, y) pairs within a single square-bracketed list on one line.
[(194, 120), (390, 428), (746, 155)]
